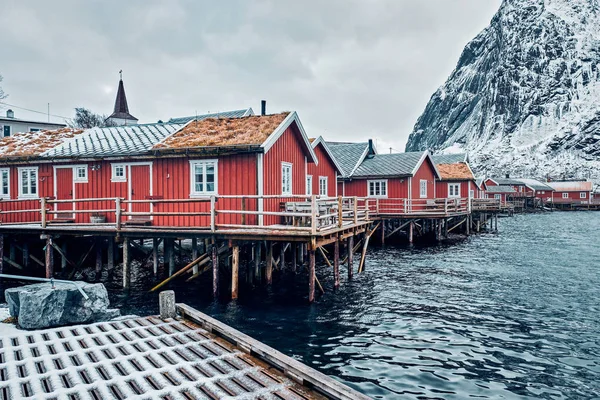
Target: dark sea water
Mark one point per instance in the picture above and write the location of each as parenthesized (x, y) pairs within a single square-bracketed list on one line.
[(509, 315)]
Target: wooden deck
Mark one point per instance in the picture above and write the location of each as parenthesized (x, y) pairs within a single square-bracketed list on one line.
[(194, 357)]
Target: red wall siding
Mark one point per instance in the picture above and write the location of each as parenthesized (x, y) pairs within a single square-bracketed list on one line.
[(441, 188), (325, 168), (573, 196), (287, 149)]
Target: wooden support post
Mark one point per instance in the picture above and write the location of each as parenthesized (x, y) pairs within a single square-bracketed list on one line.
[(171, 256), (336, 264), (25, 255), (311, 275), (98, 256), (302, 253), (155, 256), (294, 257), (12, 250), (126, 264), (215, 267), (269, 267), (411, 231), (257, 261), (363, 256), (468, 225), (282, 257), (49, 257), (1, 254), (235, 270), (63, 256), (111, 254), (382, 232), (350, 257), (194, 254)]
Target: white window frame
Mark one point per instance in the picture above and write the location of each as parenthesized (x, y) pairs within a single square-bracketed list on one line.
[(582, 195), (565, 195), (471, 193), (287, 186), (309, 185), (76, 177), (322, 192), (204, 163), (498, 196), (2, 171), (30, 195), (114, 177), (383, 184), (423, 185), (456, 193)]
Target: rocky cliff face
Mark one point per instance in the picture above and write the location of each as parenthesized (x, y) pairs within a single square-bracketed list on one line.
[(525, 95)]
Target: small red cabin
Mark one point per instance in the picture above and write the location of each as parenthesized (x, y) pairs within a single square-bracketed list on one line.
[(571, 192), (321, 178)]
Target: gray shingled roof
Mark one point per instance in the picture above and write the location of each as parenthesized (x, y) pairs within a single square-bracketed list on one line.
[(388, 165), (114, 141), (500, 189), (535, 184), (507, 181), (348, 155), (225, 114), (449, 158)]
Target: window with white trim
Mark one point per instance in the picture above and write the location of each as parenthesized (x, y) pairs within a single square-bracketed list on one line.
[(565, 195), (377, 188), (471, 194), (5, 183), (498, 196), (582, 195), (28, 183), (286, 179), (204, 177), (80, 173), (118, 173), (454, 190), (323, 186), (309, 185), (423, 187)]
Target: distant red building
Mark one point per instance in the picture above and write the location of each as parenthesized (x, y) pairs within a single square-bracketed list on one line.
[(571, 192), (322, 177)]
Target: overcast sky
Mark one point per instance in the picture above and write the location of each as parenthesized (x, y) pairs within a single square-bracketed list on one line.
[(352, 69)]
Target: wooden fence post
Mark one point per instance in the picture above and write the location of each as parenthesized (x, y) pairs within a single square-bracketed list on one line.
[(118, 212), (43, 211), (355, 209), (340, 212), (235, 268), (313, 214), (213, 214)]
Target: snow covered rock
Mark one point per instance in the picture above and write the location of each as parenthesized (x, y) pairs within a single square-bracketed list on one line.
[(40, 306), (524, 95)]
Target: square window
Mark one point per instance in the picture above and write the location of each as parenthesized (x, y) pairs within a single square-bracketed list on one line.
[(582, 195), (28, 182), (565, 195), (204, 178), (377, 188), (454, 190), (80, 173), (118, 173)]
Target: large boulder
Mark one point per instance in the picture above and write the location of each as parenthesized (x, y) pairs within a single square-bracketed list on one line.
[(43, 306)]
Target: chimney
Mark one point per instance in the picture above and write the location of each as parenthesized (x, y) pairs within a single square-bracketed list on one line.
[(263, 107), (371, 147), (10, 114)]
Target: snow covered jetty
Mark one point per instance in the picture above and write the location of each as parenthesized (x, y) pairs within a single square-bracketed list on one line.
[(192, 356), (46, 305)]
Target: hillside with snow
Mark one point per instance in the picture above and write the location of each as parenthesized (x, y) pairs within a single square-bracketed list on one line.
[(525, 95)]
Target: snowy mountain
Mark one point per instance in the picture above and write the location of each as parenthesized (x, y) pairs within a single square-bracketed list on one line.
[(525, 95)]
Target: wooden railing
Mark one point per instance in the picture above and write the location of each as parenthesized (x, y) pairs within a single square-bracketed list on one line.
[(311, 214), (432, 207), (489, 205)]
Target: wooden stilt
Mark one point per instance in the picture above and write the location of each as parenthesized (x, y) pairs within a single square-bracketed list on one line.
[(1, 254), (363, 256), (282, 257), (195, 254), (235, 269), (269, 267), (411, 230), (171, 257), (49, 258), (155, 256), (350, 256), (12, 253), (98, 256), (25, 255), (336, 263), (468, 225), (63, 256), (257, 261), (215, 266), (383, 232), (126, 264), (311, 275), (111, 254), (302, 253), (294, 257)]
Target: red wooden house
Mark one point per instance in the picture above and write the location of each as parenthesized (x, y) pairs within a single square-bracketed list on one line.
[(160, 168), (321, 178), (520, 188), (457, 179), (349, 156), (537, 189), (571, 192), (500, 192)]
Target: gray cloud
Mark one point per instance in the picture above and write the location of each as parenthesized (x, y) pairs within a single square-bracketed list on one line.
[(351, 68)]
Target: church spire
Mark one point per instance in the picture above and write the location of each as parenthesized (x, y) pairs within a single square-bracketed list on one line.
[(120, 115)]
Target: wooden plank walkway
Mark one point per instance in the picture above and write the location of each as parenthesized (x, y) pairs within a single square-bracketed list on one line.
[(143, 358)]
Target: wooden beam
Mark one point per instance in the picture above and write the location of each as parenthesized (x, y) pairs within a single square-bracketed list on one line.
[(311, 275), (110, 254), (11, 262), (350, 256), (294, 257), (171, 256), (397, 229), (281, 261), (98, 256), (25, 254), (63, 255), (235, 270), (215, 266), (195, 254), (155, 256), (126, 264), (336, 264), (257, 261), (1, 254), (325, 257), (269, 267), (49, 258), (411, 232)]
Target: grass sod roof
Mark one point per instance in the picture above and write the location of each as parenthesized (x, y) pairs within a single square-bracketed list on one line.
[(457, 171), (27, 144), (251, 130)]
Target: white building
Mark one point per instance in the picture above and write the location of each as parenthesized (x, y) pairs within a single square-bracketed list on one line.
[(10, 125)]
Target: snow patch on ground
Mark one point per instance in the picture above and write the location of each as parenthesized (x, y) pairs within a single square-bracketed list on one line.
[(6, 329)]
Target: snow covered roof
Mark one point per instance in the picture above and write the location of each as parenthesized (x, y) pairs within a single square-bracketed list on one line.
[(114, 141), (348, 155), (507, 181), (535, 184), (455, 171), (571, 186), (225, 114), (26, 144), (500, 189), (391, 165), (450, 158)]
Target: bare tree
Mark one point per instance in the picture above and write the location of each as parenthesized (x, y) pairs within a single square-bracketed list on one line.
[(2, 94), (85, 119)]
